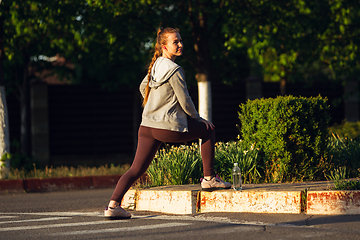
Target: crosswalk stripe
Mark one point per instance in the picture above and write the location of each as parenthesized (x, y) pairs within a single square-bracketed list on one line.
[(36, 220), (58, 225), (100, 214), (1, 217), (123, 229)]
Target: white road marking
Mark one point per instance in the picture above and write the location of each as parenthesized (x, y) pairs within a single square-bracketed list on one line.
[(58, 225), (36, 220), (134, 216), (99, 214), (123, 229), (216, 220), (160, 217), (8, 216), (204, 219)]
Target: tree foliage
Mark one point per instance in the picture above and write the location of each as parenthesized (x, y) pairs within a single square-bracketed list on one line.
[(298, 36), (37, 29), (116, 38), (110, 40), (33, 31), (119, 41)]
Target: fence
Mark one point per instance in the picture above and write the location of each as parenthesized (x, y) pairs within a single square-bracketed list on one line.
[(87, 125)]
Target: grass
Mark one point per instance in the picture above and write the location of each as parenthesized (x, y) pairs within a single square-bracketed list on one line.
[(80, 171), (339, 176), (226, 154), (347, 185), (175, 165)]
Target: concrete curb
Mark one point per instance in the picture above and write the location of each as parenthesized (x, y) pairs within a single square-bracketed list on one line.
[(251, 201), (58, 184), (11, 186), (189, 199), (194, 201), (174, 202), (333, 202)]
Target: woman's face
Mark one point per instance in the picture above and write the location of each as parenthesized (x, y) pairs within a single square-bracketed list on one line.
[(173, 47)]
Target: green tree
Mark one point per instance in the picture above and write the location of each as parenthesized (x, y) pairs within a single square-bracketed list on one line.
[(116, 40), (297, 37), (33, 31), (117, 52)]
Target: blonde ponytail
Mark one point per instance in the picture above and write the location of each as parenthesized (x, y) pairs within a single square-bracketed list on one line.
[(160, 40)]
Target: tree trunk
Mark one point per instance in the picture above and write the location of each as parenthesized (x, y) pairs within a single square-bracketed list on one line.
[(283, 87), (4, 134), (199, 32), (204, 92), (4, 123)]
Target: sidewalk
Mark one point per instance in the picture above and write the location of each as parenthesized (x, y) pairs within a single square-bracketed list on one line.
[(295, 198)]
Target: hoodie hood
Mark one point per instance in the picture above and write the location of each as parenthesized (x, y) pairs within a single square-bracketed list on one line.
[(162, 70)]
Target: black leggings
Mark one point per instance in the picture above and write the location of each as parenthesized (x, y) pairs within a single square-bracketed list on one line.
[(150, 139)]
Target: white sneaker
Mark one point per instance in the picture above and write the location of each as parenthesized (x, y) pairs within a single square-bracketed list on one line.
[(116, 213), (215, 183)]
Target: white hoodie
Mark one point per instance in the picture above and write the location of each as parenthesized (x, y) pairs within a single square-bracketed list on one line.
[(169, 103)]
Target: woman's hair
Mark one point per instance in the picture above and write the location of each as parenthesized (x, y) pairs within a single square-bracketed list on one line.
[(160, 40)]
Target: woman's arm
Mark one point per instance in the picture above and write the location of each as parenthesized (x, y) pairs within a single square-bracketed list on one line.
[(143, 86), (178, 83)]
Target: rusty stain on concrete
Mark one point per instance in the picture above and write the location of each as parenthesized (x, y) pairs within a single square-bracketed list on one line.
[(251, 201), (333, 202)]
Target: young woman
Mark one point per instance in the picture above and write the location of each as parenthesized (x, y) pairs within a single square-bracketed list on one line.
[(169, 115)]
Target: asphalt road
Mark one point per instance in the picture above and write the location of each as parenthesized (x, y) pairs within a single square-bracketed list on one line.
[(78, 215)]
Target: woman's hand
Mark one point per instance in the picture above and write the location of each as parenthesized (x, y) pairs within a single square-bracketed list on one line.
[(208, 124)]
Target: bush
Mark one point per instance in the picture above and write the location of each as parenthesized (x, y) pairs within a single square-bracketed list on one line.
[(291, 134)]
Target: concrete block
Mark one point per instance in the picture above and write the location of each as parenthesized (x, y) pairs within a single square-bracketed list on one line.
[(167, 201), (251, 201), (129, 200), (333, 202)]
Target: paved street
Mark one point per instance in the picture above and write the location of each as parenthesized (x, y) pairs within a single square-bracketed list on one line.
[(78, 215)]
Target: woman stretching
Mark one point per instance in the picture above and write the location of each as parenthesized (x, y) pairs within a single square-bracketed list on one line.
[(169, 115)]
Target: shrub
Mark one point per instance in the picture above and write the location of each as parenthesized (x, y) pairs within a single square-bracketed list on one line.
[(291, 134)]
